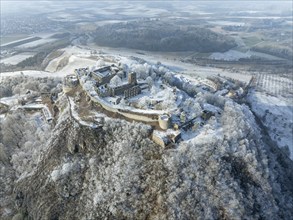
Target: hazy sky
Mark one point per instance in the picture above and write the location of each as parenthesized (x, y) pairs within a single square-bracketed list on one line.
[(10, 6)]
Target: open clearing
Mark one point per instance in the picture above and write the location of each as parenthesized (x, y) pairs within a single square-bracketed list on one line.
[(16, 58), (275, 85), (36, 43), (12, 38), (80, 57), (54, 64), (175, 64), (275, 113)]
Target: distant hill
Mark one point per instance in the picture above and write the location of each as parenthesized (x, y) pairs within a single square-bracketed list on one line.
[(283, 51), (162, 36)]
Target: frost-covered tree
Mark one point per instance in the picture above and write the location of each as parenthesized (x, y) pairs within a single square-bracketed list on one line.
[(162, 70), (89, 85), (5, 91), (21, 84), (191, 107), (154, 90), (218, 101), (150, 81), (23, 140), (13, 130), (125, 67), (3, 155), (143, 102), (169, 77), (142, 70), (100, 63), (168, 101)]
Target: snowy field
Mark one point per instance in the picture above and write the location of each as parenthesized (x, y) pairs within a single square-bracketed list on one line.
[(276, 113), (227, 23), (230, 55), (34, 73), (61, 16), (234, 55), (275, 84), (75, 63), (16, 58), (272, 102), (36, 43), (79, 57), (175, 65), (53, 65), (14, 41)]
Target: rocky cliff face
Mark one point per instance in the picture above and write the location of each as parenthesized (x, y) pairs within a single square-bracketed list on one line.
[(116, 172)]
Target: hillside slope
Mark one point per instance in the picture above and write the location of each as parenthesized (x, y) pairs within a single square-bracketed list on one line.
[(115, 171), (161, 36)]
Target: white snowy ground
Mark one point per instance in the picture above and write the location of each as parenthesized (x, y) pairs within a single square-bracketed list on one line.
[(13, 60), (275, 84), (79, 57), (230, 55), (34, 73), (175, 65), (276, 112), (234, 55), (36, 43), (53, 65), (12, 100)]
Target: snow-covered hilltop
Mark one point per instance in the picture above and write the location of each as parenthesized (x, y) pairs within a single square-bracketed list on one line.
[(124, 137), (135, 89)]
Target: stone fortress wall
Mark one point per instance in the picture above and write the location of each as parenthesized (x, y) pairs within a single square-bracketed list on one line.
[(151, 117)]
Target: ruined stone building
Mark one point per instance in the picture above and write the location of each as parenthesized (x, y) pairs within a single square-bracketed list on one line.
[(132, 78), (131, 92), (103, 75), (128, 90)]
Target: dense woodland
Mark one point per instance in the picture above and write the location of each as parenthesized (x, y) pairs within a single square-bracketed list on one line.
[(275, 50), (162, 36), (20, 85)]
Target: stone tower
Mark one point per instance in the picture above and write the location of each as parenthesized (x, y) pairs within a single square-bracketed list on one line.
[(132, 78)]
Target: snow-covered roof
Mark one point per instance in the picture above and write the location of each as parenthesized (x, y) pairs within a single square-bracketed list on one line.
[(103, 71), (113, 99)]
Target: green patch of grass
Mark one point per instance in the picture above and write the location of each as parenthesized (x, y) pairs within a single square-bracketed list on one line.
[(251, 41)]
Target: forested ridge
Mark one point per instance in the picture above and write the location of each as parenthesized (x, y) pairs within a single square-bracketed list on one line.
[(162, 36)]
